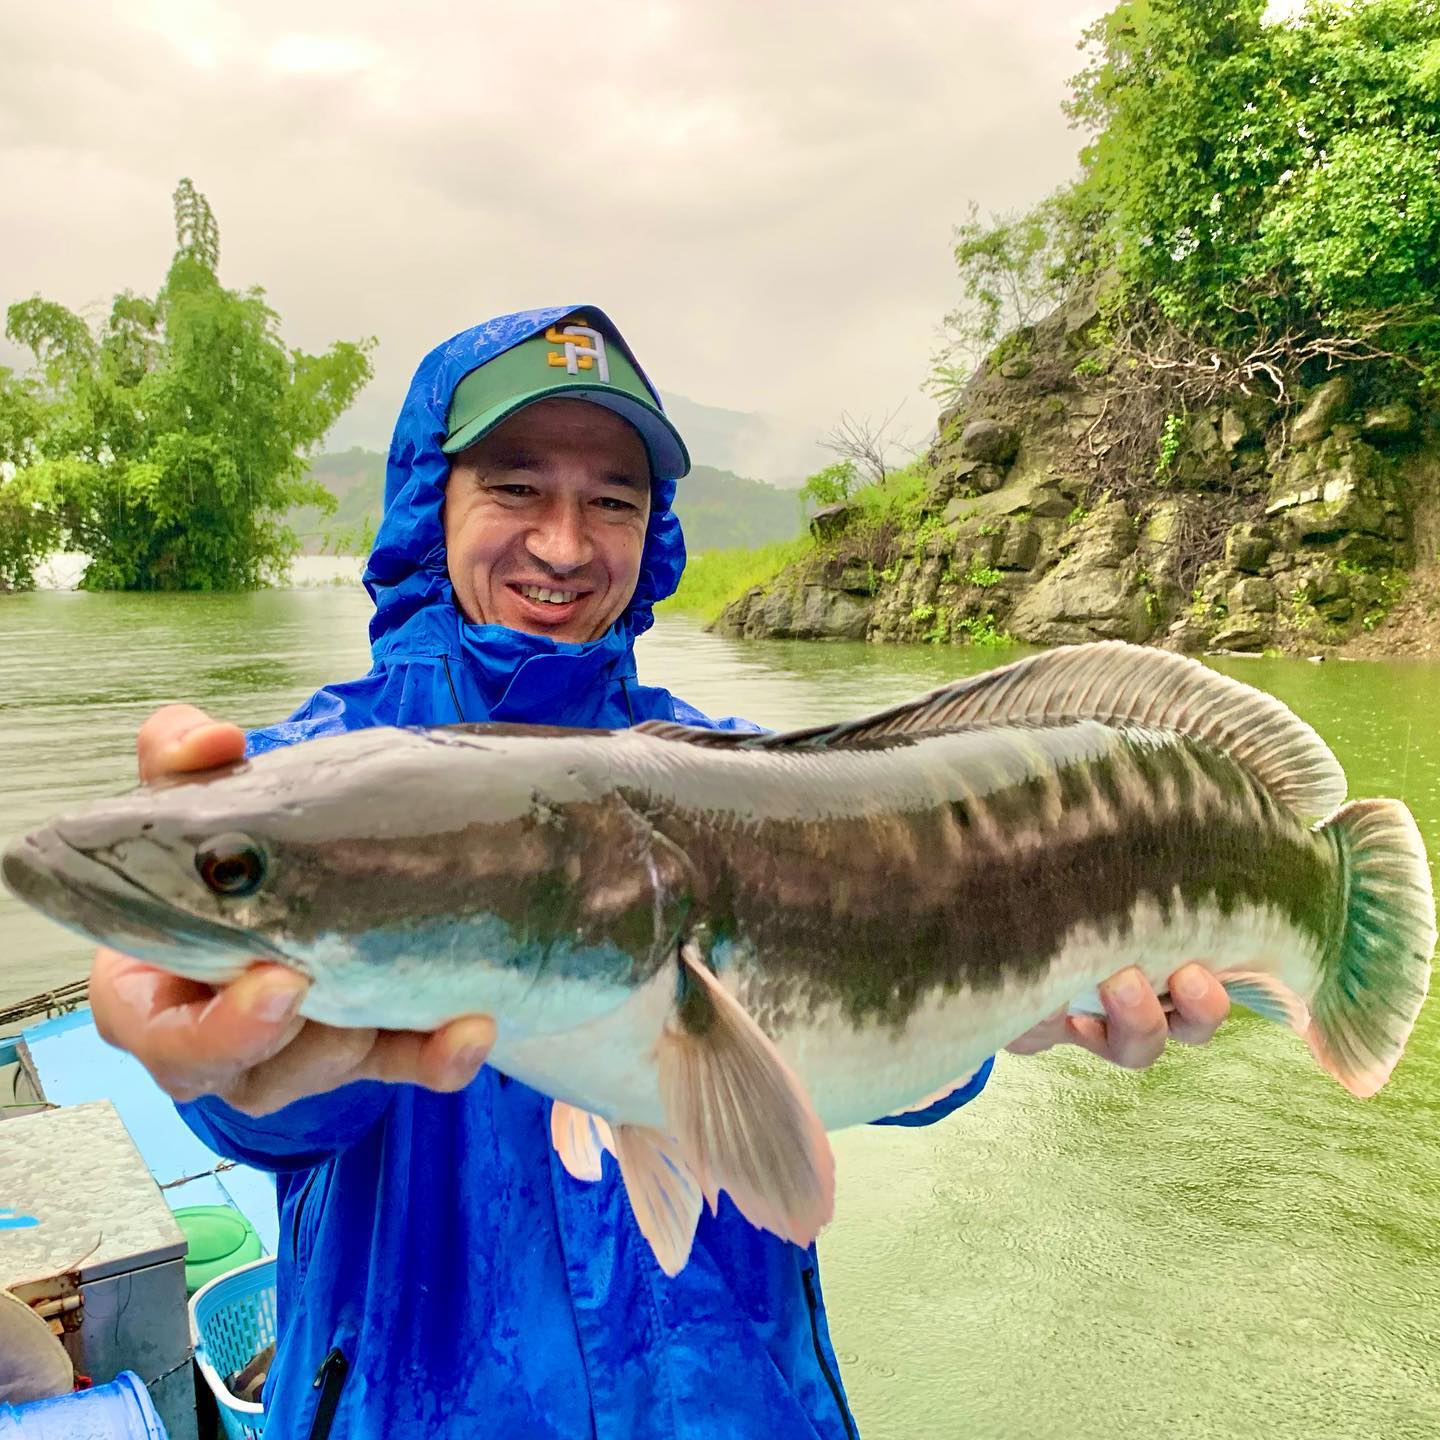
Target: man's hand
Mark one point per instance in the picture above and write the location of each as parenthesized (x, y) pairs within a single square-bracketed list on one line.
[(1136, 1026), (244, 1041)]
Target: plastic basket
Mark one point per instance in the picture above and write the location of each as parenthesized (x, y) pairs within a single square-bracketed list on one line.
[(121, 1410), (231, 1319)]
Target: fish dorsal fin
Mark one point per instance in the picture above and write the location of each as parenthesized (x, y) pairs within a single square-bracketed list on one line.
[(697, 735), (1109, 681)]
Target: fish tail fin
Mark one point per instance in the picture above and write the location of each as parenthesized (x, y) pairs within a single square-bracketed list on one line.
[(1374, 978)]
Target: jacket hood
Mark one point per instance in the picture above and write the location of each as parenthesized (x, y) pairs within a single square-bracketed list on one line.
[(415, 610)]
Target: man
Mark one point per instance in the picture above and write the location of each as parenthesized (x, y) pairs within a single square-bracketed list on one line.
[(440, 1273)]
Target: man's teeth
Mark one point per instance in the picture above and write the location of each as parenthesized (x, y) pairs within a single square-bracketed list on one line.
[(550, 597)]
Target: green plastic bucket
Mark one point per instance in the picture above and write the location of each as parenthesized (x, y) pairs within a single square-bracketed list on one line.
[(219, 1238)]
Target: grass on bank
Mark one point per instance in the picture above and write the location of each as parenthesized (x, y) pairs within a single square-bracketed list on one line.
[(714, 578)]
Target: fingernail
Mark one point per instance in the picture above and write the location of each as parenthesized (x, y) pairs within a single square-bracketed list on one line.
[(1128, 988), (1190, 983), (471, 1058)]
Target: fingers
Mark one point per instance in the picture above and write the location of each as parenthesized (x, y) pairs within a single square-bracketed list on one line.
[(179, 739), (322, 1058), (1201, 1004), (1049, 1032), (447, 1059), (318, 1059), (1136, 1028), (193, 1039)]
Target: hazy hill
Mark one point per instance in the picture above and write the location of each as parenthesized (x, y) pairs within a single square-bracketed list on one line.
[(719, 511), (776, 448)]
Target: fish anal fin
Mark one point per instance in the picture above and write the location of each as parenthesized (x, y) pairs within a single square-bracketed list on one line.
[(664, 1196), (1266, 995), (578, 1138), (938, 1095), (743, 1120)]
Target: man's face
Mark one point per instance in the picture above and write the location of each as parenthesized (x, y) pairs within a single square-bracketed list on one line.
[(545, 520)]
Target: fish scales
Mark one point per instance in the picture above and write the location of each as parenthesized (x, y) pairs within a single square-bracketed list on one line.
[(880, 908)]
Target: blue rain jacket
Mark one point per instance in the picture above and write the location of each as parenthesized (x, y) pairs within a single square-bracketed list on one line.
[(440, 1273)]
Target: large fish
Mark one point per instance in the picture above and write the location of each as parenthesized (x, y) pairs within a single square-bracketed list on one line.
[(712, 948)]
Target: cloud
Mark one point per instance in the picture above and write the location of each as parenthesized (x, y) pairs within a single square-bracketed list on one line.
[(761, 195)]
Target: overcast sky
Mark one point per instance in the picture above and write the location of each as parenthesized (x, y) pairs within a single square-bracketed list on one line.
[(760, 194)]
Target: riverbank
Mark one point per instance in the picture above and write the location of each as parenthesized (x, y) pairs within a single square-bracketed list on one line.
[(1041, 517)]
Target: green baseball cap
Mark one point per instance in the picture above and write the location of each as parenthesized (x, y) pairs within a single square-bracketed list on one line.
[(571, 358)]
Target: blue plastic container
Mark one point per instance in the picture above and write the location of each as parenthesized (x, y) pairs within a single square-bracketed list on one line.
[(231, 1320), (120, 1410)]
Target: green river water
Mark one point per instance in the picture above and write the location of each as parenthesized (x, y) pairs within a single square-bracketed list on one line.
[(1224, 1246)]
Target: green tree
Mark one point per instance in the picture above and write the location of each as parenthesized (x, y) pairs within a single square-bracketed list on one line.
[(169, 443), (1012, 271), (1255, 177), (1262, 193), (829, 486)]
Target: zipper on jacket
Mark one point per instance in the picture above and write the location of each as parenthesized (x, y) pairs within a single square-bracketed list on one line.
[(808, 1276), (298, 1212), (329, 1381)]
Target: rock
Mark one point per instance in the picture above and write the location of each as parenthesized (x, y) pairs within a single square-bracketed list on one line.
[(1080, 315), (1017, 367), (990, 441), (808, 612), (1389, 422), (1324, 407), (1252, 594), (1188, 636), (987, 478), (1234, 430), (1335, 488), (831, 520), (1106, 536), (1248, 547), (1091, 593), (1020, 548), (857, 580), (1242, 632)]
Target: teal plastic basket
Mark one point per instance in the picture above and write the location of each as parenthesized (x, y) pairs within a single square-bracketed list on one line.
[(231, 1320)]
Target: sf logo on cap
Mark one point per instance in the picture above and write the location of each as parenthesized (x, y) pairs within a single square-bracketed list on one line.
[(577, 354)]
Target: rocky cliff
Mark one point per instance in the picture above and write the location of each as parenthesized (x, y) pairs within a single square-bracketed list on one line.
[(1252, 526)]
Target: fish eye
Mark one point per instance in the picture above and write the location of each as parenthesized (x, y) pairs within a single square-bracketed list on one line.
[(231, 865)]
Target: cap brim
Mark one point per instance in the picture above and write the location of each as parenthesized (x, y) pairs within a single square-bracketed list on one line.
[(669, 459)]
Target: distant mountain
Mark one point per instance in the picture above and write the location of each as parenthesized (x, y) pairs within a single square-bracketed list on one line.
[(721, 511), (746, 443), (718, 510), (768, 447)]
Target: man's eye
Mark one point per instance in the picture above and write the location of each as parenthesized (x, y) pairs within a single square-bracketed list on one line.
[(514, 489), (615, 504)]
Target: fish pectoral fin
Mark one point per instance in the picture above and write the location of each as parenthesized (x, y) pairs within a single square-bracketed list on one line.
[(578, 1138), (664, 1196), (742, 1117)]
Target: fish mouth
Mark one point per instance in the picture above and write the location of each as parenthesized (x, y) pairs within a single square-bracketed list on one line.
[(87, 895)]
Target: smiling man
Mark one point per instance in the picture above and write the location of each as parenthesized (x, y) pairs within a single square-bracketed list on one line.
[(441, 1274)]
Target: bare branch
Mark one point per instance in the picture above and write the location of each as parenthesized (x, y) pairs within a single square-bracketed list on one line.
[(864, 442)]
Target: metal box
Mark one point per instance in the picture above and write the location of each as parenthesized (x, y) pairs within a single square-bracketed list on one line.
[(105, 1253)]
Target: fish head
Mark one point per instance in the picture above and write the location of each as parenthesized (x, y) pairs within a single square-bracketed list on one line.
[(418, 875), (156, 875)]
